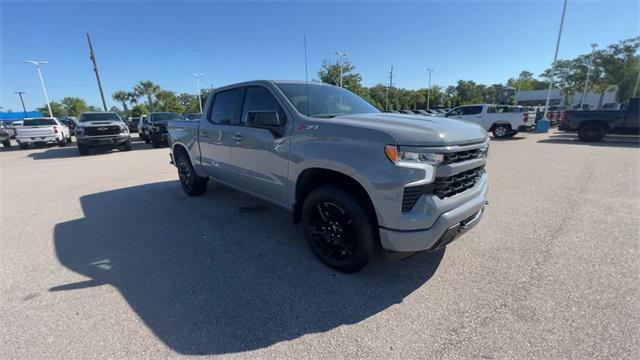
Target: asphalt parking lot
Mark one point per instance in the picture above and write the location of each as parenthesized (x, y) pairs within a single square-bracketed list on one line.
[(103, 256)]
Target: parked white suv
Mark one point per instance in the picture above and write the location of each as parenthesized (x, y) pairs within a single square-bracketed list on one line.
[(503, 121), (37, 131)]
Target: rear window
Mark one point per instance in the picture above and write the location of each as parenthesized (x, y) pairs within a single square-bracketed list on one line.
[(99, 116), (39, 122), (164, 117)]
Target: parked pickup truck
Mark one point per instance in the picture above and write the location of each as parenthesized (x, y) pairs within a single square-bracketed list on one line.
[(500, 120), (594, 125), (5, 135), (38, 131), (101, 129), (357, 179), (154, 128)]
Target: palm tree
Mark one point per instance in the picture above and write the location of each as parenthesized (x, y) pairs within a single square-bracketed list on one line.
[(122, 97), (149, 89)]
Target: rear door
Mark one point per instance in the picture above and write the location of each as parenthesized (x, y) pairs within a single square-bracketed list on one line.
[(216, 134), (260, 156)]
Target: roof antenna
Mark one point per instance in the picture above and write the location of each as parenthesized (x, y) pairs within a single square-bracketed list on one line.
[(306, 74)]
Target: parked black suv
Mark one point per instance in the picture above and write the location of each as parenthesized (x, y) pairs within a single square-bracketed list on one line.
[(155, 127)]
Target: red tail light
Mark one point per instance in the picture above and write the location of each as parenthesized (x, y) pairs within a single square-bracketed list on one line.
[(55, 129), (525, 117)]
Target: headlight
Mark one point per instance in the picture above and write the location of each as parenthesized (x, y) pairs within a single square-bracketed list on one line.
[(414, 160), (124, 129), (155, 128), (399, 156), (79, 130)]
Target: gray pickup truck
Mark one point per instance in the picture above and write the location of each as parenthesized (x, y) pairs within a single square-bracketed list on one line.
[(356, 178)]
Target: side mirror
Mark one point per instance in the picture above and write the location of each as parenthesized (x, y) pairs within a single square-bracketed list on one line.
[(269, 120)]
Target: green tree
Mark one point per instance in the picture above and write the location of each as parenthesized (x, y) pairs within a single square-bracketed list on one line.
[(330, 73), (168, 101), (123, 98), (148, 89), (73, 106), (139, 109), (56, 107)]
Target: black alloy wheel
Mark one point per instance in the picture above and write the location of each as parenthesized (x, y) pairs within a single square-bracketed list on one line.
[(332, 231)]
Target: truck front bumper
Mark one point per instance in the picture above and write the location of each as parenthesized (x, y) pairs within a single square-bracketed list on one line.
[(115, 140), (448, 227)]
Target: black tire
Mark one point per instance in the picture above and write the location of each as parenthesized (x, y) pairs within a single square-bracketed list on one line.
[(155, 142), (23, 146), (339, 229), (69, 140), (591, 132), (192, 184), (83, 149), (127, 146), (502, 131), (62, 142), (6, 143), (146, 139)]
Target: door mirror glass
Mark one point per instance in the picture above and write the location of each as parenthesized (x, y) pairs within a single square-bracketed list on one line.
[(264, 119)]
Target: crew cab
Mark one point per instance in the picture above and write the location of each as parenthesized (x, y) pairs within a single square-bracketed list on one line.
[(594, 125), (101, 130), (500, 120), (154, 128), (39, 131), (357, 179)]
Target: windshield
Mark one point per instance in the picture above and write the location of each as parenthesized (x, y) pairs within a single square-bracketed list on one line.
[(164, 117), (99, 116), (39, 122), (325, 101)]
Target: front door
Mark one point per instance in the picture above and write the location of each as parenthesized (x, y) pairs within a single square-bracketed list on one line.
[(260, 156)]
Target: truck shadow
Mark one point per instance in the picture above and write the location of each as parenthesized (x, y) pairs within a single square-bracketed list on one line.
[(71, 150), (222, 273), (629, 141)]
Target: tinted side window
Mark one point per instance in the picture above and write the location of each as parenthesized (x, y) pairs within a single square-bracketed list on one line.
[(225, 107), (471, 110), (259, 99), (455, 112), (491, 110)]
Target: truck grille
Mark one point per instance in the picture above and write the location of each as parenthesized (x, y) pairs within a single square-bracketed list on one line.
[(459, 156), (443, 187), (448, 186), (102, 130)]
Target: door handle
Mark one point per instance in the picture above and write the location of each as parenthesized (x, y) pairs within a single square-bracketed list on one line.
[(204, 133), (238, 138)]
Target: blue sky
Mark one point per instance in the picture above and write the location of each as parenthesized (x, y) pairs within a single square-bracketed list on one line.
[(484, 41)]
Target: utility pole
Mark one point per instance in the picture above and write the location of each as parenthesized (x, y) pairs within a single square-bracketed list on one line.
[(22, 101), (586, 82), (540, 127), (342, 54), (92, 56), (198, 76), (386, 106), (429, 88), (44, 89)]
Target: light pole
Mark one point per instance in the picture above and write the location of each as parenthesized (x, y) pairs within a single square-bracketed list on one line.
[(586, 82), (22, 101), (342, 54), (198, 76), (44, 89), (429, 88), (543, 124)]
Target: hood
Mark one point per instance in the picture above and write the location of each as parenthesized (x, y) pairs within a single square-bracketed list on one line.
[(418, 129), (100, 123)]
